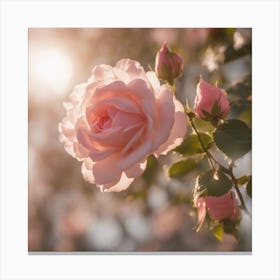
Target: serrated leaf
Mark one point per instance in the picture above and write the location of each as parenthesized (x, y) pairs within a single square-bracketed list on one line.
[(192, 146), (249, 187), (242, 180), (219, 231), (182, 167), (215, 184), (233, 137)]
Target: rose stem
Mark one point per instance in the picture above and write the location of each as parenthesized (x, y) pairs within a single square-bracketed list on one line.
[(224, 169)]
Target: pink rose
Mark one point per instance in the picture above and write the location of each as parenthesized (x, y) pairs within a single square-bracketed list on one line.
[(116, 119), (210, 101), (218, 207), (169, 65)]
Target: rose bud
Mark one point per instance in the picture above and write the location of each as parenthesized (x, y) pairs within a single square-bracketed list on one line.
[(210, 102), (218, 207), (169, 65)]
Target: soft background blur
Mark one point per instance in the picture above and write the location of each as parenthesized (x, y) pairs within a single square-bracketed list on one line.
[(155, 213)]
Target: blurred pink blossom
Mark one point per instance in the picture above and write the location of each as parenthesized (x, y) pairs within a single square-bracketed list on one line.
[(116, 119)]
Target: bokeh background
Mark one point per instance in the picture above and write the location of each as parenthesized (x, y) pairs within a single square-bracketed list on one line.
[(155, 213)]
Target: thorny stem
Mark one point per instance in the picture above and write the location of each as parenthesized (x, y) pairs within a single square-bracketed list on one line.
[(223, 168)]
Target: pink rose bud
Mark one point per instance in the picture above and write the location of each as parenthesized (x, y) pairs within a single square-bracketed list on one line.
[(210, 102), (169, 65), (218, 207)]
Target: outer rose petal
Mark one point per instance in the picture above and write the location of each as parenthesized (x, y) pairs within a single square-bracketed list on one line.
[(103, 73), (86, 170), (67, 128), (153, 79), (106, 171), (117, 186), (130, 68), (164, 116), (178, 131), (135, 156), (144, 95), (136, 170)]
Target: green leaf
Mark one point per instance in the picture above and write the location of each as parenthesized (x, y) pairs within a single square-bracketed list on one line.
[(192, 146), (242, 180), (218, 231), (249, 187), (181, 168), (150, 171), (246, 116), (215, 184), (233, 137), (203, 126)]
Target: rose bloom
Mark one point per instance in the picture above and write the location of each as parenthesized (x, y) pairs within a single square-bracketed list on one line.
[(116, 119), (218, 207), (206, 97)]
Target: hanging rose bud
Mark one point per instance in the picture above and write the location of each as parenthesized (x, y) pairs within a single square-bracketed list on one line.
[(218, 207), (169, 65), (210, 102)]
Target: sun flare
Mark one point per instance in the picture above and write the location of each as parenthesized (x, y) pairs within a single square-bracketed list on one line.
[(51, 69)]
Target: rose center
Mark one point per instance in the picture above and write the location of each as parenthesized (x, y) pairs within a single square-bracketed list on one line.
[(101, 122)]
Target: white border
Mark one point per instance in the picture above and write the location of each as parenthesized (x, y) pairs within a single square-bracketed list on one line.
[(17, 16)]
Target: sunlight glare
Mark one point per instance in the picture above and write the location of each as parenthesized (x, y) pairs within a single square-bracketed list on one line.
[(51, 69)]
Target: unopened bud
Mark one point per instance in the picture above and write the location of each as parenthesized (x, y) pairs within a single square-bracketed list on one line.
[(169, 65)]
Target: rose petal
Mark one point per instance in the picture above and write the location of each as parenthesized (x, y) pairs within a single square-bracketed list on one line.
[(116, 88), (107, 170), (178, 130), (133, 140), (153, 79), (164, 116), (67, 128), (103, 73), (97, 155), (124, 120), (131, 68), (146, 99), (136, 155), (118, 186), (86, 170), (136, 170), (80, 150)]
